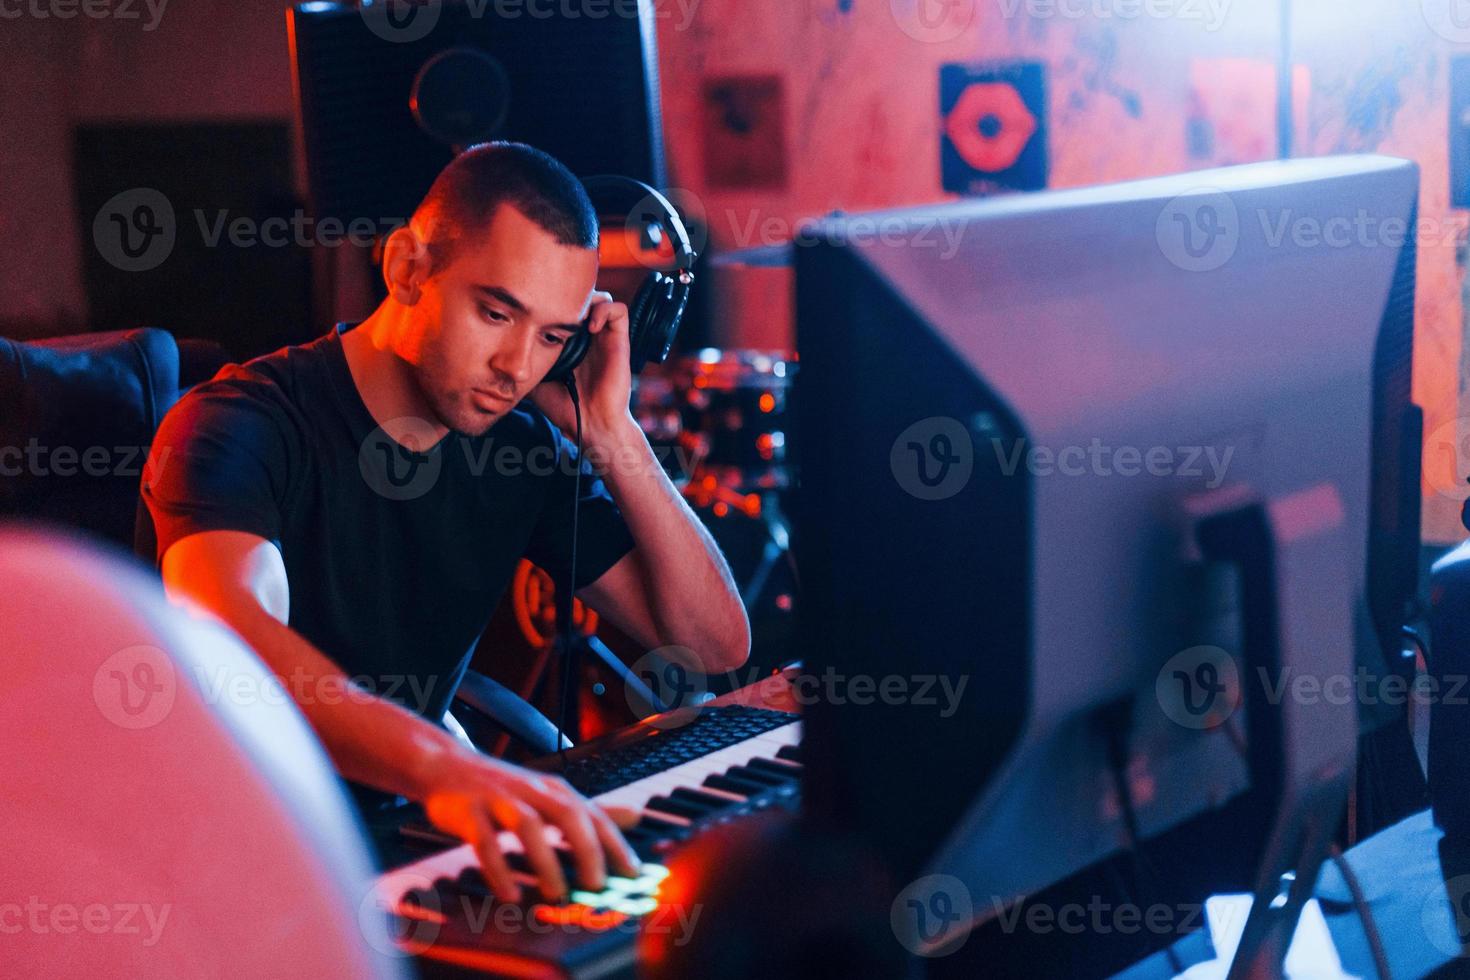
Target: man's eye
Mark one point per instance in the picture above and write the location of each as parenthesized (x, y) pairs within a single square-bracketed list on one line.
[(555, 339), (493, 314)]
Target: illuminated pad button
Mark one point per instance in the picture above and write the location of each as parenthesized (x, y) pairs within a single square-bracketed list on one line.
[(633, 906), (655, 871), (594, 900), (642, 885), (628, 886)]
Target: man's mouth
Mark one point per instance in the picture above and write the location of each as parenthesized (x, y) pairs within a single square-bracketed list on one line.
[(491, 401)]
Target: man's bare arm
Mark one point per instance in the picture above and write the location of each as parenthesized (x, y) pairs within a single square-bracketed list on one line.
[(692, 600), (674, 589), (241, 579)]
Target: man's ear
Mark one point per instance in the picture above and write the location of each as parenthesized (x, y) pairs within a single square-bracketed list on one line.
[(406, 265)]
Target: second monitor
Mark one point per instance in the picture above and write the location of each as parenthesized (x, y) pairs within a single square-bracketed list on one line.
[(1117, 460)]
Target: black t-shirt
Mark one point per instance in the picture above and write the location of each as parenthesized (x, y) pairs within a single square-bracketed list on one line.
[(396, 558)]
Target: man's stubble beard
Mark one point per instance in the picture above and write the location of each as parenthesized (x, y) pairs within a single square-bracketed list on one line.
[(469, 422)]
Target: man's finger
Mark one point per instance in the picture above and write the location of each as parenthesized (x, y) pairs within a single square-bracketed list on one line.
[(571, 815), (624, 860), (492, 863), (597, 319), (617, 317), (596, 309), (523, 821), (625, 817), (606, 822), (609, 316)]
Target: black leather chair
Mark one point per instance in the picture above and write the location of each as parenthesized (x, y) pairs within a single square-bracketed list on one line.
[(77, 415)]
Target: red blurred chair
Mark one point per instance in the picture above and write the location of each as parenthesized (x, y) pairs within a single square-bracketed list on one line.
[(166, 811)]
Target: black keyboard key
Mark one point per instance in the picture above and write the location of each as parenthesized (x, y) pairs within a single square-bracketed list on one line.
[(710, 800), (679, 808), (472, 881), (774, 768), (756, 776), (791, 753), (664, 829), (732, 784), (713, 729), (423, 898), (642, 841)]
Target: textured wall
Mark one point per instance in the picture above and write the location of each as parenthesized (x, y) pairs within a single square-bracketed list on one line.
[(40, 277), (136, 61), (1134, 89)]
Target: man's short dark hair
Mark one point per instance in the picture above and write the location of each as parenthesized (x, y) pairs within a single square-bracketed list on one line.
[(467, 193)]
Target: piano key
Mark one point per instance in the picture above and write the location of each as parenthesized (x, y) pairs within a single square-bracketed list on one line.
[(692, 773), (709, 800), (755, 775), (665, 827), (730, 765), (681, 808), (472, 880), (732, 784), (709, 789), (791, 753), (774, 768)]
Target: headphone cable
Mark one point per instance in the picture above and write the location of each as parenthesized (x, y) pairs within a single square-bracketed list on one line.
[(564, 597)]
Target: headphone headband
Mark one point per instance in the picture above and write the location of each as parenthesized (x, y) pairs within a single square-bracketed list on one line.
[(654, 314), (616, 194)]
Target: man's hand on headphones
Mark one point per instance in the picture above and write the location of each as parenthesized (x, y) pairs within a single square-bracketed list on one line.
[(604, 378)]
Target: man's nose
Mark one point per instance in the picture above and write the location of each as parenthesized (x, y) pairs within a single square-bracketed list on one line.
[(514, 357)]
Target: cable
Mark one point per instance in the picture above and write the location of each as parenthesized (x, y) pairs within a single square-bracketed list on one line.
[(1412, 635), (1370, 928), (1115, 722), (564, 597)]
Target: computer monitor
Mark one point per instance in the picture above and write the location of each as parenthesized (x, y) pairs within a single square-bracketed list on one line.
[(581, 84), (1085, 477)]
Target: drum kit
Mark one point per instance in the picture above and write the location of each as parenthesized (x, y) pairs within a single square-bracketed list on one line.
[(718, 420)]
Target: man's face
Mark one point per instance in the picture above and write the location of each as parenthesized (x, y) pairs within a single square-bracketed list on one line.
[(492, 321)]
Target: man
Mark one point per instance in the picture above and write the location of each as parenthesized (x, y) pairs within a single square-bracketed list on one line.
[(354, 507)]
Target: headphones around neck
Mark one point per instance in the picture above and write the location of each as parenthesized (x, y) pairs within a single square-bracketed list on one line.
[(654, 314)]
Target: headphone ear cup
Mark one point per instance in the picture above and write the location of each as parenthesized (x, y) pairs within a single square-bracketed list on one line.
[(678, 299), (668, 297), (642, 321), (571, 355)]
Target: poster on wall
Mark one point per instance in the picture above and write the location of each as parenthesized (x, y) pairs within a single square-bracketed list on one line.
[(992, 127), (744, 132)]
